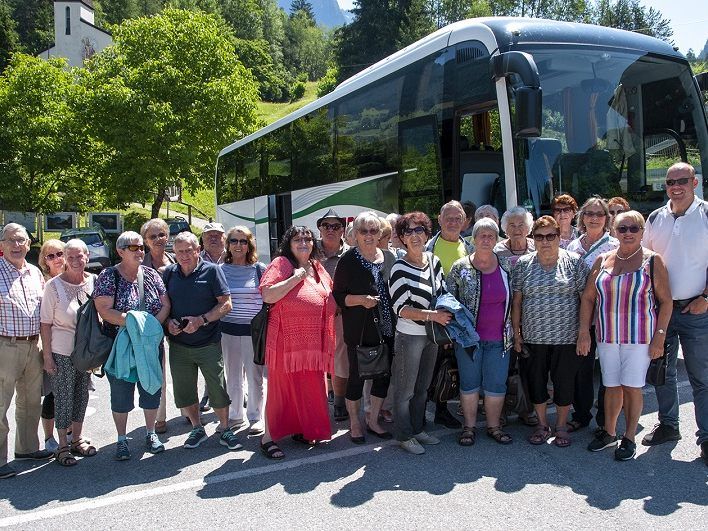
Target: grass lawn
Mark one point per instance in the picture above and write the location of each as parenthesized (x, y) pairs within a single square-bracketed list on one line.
[(270, 112)]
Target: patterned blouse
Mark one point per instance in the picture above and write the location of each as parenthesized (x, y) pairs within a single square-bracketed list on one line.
[(385, 311), (128, 297), (601, 246)]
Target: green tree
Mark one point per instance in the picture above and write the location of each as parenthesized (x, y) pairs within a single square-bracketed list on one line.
[(116, 11), (245, 18), (446, 12), (40, 139), (307, 48), (161, 103), (9, 39), (35, 24), (303, 6)]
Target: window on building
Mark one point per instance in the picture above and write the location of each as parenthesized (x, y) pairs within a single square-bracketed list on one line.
[(68, 20)]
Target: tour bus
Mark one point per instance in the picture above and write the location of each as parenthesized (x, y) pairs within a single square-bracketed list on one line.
[(501, 111)]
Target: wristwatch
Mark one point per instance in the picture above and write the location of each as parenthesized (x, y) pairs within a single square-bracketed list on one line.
[(206, 321)]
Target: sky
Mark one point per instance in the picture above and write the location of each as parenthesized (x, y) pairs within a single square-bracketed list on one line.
[(689, 20)]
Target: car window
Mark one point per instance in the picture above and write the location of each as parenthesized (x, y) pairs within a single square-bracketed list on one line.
[(91, 239)]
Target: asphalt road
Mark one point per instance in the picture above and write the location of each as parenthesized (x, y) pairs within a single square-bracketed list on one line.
[(337, 485)]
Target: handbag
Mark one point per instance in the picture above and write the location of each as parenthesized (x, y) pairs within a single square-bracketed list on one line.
[(259, 329), (446, 383), (436, 332), (373, 361), (656, 373)]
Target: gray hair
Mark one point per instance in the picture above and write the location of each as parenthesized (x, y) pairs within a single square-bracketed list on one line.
[(14, 227), (517, 211), (453, 204), (392, 218), (154, 223), (482, 224), (367, 218), (76, 243), (187, 237), (580, 216), (486, 211), (128, 238)]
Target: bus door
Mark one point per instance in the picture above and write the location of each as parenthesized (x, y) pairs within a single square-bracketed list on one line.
[(280, 218), (479, 161)]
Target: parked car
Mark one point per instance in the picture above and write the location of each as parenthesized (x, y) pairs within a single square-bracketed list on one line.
[(101, 251), (176, 224)]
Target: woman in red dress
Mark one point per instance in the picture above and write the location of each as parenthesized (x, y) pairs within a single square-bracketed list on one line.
[(299, 345)]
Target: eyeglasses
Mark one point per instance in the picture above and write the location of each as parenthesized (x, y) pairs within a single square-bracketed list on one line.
[(634, 229), (133, 248), (302, 240), (16, 241), (239, 241), (52, 256), (680, 181), (547, 237), (156, 236), (418, 230), (371, 231), (331, 226), (617, 212), (563, 210), (590, 214)]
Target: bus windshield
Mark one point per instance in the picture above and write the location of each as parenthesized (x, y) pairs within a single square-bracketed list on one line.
[(613, 122)]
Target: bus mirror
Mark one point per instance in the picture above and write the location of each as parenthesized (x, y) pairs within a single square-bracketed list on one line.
[(528, 112)]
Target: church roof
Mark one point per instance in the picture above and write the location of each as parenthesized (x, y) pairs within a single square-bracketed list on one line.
[(87, 3)]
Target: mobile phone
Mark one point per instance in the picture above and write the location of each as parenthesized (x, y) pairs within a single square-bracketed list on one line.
[(183, 323)]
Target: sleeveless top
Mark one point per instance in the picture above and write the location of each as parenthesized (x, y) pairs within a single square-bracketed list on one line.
[(626, 309)]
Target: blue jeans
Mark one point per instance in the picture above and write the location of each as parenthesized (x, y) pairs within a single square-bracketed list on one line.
[(692, 332), (486, 370)]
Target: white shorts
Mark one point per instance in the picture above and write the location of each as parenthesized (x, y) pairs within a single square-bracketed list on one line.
[(341, 360), (623, 364)]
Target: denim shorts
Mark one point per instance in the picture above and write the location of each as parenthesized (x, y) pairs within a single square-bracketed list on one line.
[(486, 370), (123, 394)]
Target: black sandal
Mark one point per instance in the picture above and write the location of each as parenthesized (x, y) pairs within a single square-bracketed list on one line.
[(499, 435), (64, 457), (299, 437), (467, 436), (270, 450)]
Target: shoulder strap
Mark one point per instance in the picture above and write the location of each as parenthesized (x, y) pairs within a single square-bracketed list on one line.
[(598, 243), (259, 271), (116, 278), (166, 276), (141, 288), (432, 275), (651, 271)]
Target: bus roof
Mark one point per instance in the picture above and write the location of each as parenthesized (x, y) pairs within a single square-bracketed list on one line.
[(508, 32)]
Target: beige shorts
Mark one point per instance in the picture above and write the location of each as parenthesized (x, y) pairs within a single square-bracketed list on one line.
[(341, 360)]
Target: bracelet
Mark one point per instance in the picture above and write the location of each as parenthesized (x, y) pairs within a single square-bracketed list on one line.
[(427, 315)]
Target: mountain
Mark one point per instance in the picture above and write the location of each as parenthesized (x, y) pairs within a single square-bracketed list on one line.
[(703, 56), (327, 12)]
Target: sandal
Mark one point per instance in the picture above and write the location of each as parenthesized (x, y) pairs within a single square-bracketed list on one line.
[(272, 450), (467, 436), (299, 437), (574, 425), (561, 439), (64, 457), (530, 420), (83, 448), (541, 435), (498, 435)]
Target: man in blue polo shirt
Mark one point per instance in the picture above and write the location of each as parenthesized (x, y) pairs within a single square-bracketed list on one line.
[(200, 297)]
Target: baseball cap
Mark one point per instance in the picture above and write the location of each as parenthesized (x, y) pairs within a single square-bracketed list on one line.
[(213, 226)]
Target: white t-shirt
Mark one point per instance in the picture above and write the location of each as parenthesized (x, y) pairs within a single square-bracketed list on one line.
[(683, 244), (59, 306)]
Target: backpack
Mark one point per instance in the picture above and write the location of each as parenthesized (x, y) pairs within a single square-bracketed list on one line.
[(93, 340)]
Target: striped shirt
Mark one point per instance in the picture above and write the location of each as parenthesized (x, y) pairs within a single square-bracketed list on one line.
[(246, 299), (411, 286), (626, 310), (21, 293)]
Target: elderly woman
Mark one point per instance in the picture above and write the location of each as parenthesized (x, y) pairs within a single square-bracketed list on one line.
[(116, 293), (243, 274), (516, 224), (361, 290), (62, 297), (547, 285), (155, 233), (486, 211), (564, 208), (51, 262), (482, 282), (416, 279), (593, 220), (615, 206), (300, 343), (625, 285)]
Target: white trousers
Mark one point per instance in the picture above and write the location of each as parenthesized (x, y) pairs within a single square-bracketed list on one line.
[(238, 362)]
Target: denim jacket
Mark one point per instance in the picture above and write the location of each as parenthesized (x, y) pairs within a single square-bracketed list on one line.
[(464, 282), (461, 326)]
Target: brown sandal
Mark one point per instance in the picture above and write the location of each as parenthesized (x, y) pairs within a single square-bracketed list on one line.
[(467, 436), (541, 435), (83, 448), (499, 435), (64, 457)]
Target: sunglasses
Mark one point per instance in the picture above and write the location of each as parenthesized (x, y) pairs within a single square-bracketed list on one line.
[(547, 237), (371, 231), (417, 230), (634, 229), (302, 240), (681, 181), (156, 236), (133, 248), (239, 241), (52, 256), (563, 210), (331, 226), (617, 212), (590, 214)]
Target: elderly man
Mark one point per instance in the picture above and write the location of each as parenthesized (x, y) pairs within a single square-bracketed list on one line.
[(330, 247), (21, 289), (200, 297), (449, 246), (213, 240), (675, 231)]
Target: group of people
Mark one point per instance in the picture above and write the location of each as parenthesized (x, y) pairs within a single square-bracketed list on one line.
[(540, 302)]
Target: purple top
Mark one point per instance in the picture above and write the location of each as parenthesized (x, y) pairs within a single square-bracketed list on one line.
[(490, 321)]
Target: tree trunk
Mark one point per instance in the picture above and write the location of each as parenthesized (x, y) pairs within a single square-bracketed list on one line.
[(156, 205)]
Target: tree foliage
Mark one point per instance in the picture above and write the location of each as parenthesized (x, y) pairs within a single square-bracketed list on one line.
[(9, 39)]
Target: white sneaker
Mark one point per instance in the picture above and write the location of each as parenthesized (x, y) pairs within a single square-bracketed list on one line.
[(257, 428), (412, 446), (51, 445), (424, 438)]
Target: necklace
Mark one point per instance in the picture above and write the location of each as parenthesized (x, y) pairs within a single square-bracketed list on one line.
[(630, 256), (517, 253)]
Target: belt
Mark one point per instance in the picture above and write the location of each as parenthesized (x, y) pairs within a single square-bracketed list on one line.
[(680, 304), (21, 338)]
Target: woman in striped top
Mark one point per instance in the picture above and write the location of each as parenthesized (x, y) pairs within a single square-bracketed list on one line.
[(626, 284), (412, 288)]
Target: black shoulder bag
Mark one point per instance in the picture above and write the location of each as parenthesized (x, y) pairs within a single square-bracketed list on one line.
[(373, 361), (436, 332), (656, 373), (259, 328)]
